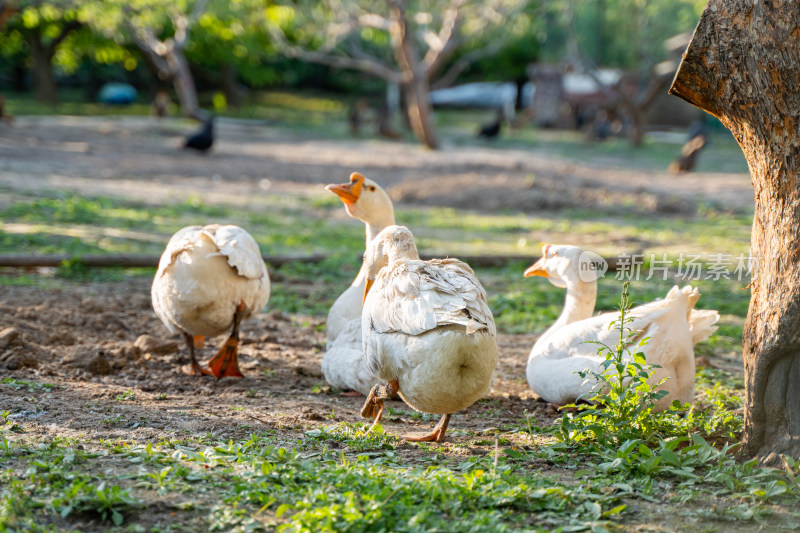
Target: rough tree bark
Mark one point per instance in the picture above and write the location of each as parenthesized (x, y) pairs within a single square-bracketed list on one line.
[(743, 67)]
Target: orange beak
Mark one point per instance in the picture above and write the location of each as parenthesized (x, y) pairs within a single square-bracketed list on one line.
[(537, 269), (367, 287), (348, 192)]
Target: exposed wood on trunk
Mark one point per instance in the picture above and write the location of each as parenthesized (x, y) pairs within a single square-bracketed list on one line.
[(742, 66)]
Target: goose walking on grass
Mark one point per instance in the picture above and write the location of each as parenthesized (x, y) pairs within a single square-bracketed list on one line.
[(209, 280), (428, 332), (672, 326), (343, 364)]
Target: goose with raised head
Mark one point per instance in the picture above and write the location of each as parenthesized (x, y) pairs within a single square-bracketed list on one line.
[(428, 332), (343, 364), (210, 279), (672, 326)]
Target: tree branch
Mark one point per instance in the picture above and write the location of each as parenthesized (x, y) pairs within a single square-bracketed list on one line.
[(364, 64), (441, 46), (373, 20), (155, 50), (68, 28), (182, 23), (463, 62)]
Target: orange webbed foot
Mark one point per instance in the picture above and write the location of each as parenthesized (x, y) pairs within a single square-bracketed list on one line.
[(437, 435), (225, 364)]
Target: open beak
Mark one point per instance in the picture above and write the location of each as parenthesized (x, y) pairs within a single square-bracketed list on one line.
[(348, 192), (367, 287)]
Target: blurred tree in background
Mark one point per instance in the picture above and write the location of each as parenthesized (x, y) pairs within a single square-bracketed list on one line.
[(229, 46), (627, 34), (405, 42), (40, 28)]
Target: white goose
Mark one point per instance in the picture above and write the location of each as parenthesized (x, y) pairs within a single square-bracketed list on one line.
[(343, 364), (428, 331), (209, 279), (671, 324)]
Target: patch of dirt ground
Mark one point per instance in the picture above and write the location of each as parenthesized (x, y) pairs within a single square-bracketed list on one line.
[(116, 156), (98, 341)]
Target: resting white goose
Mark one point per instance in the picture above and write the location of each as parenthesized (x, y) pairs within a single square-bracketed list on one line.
[(343, 364), (428, 331), (209, 279), (672, 325)]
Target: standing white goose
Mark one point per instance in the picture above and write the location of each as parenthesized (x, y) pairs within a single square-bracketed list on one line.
[(343, 364), (428, 331), (209, 279), (672, 325)]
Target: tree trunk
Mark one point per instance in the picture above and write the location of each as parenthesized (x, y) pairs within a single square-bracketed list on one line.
[(43, 53), (742, 66), (230, 85), (44, 82), (419, 109), (417, 80), (183, 82)]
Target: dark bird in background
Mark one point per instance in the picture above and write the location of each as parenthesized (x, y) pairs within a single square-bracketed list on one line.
[(492, 130), (204, 138)]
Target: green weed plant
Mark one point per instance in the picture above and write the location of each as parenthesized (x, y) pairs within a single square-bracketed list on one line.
[(622, 402)]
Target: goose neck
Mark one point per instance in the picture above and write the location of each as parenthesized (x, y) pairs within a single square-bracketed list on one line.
[(579, 302)]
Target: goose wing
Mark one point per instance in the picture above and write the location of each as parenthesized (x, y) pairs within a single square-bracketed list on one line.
[(413, 297)]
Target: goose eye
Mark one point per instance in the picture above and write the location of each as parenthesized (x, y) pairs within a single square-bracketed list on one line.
[(372, 187)]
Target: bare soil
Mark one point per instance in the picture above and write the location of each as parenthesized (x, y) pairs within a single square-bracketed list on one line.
[(89, 339)]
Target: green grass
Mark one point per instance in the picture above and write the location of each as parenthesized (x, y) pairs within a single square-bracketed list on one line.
[(337, 477)]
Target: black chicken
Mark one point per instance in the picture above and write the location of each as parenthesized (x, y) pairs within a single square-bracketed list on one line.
[(492, 130), (203, 139)]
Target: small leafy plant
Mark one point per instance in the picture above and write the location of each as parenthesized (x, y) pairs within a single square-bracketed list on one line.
[(83, 497), (621, 404), (128, 395)]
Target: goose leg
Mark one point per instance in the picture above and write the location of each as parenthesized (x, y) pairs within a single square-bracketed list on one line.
[(226, 361), (373, 407), (437, 435), (193, 368)]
